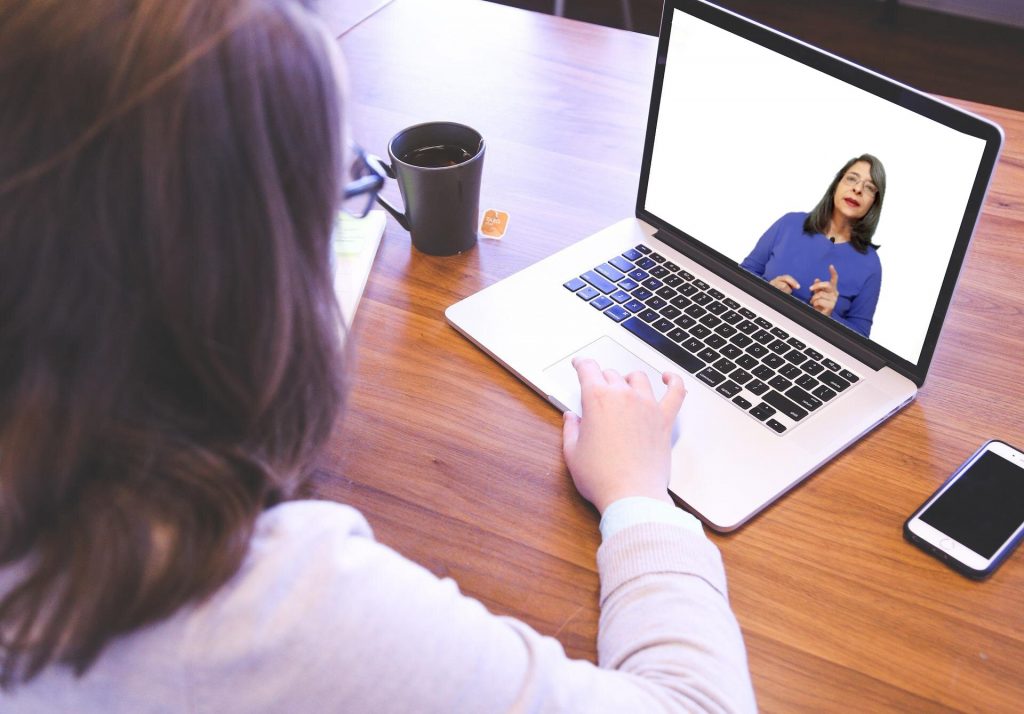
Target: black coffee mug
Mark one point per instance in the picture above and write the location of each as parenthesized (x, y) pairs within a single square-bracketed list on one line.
[(438, 166)]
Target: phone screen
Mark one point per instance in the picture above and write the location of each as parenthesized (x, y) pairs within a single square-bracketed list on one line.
[(984, 507)]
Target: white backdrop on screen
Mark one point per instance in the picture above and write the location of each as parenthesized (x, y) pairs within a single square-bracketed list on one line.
[(746, 135)]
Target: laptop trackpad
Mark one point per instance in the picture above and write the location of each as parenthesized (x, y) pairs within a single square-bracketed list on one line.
[(563, 385)]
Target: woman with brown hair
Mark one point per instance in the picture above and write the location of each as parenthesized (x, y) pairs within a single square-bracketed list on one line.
[(169, 365)]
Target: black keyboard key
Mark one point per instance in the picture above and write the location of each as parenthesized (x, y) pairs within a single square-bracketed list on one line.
[(642, 293), (762, 411), (741, 376), (687, 289), (638, 275), (746, 361), (673, 280), (761, 322), (741, 402), (716, 308), (663, 325), (700, 331), (686, 275), (803, 398), (773, 361), (807, 382), (749, 314), (757, 350), (812, 367), (785, 405), (574, 284), (779, 382), (685, 321), (790, 371), (796, 357), (776, 425), (678, 334), (681, 301), (762, 372), (732, 317), (724, 365), (823, 393), (780, 333), (663, 344), (709, 375), (693, 345), (617, 313), (648, 315), (746, 327), (716, 341), (732, 304), (795, 343), (763, 336), (729, 389), (834, 366), (695, 311), (729, 350), (587, 293), (702, 298), (622, 264), (710, 320), (655, 303), (611, 272), (671, 312), (635, 306), (642, 249), (779, 347), (666, 292), (740, 340), (833, 380), (598, 281), (628, 284), (672, 266), (848, 375), (645, 263), (758, 387), (659, 271), (708, 355), (657, 257), (601, 302), (715, 293), (701, 284), (725, 330), (813, 354), (652, 284)]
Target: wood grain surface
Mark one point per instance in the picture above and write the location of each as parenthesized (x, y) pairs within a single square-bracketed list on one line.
[(458, 465)]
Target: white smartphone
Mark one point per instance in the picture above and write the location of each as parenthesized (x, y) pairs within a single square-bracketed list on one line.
[(976, 518)]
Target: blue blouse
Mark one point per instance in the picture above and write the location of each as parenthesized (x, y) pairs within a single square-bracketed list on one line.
[(785, 249)]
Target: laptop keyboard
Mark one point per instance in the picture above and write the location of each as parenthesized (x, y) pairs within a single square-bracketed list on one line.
[(760, 368)]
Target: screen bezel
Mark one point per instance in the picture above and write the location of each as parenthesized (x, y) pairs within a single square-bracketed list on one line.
[(868, 351), (977, 564)]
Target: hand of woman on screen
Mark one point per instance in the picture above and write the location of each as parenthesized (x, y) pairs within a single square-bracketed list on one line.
[(785, 283), (825, 293), (621, 446)]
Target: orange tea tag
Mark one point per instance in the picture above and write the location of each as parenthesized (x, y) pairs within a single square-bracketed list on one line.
[(494, 224)]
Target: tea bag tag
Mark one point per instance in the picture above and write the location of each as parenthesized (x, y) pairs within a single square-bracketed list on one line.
[(494, 224)]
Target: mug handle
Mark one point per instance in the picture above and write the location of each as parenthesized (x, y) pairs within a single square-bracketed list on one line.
[(398, 215)]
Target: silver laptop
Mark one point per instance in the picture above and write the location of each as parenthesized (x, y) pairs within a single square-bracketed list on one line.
[(800, 225)]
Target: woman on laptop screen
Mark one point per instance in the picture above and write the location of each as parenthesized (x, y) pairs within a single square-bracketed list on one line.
[(826, 258), (170, 365)]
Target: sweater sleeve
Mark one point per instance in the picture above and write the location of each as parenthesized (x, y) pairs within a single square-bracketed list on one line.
[(330, 620), (861, 313)]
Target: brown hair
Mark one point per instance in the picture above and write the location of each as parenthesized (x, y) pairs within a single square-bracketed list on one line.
[(862, 230), (169, 348)]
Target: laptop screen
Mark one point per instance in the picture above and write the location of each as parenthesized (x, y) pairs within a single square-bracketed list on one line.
[(805, 170)]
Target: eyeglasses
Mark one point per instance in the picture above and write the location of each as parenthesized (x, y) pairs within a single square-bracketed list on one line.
[(367, 178), (852, 179)]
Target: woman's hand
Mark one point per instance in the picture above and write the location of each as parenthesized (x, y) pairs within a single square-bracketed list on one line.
[(825, 293), (621, 447), (785, 283)]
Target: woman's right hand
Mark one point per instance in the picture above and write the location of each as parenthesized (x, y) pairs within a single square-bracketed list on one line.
[(622, 445), (785, 283)]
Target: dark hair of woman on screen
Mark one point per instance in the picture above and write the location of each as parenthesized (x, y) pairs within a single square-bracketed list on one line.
[(825, 257), (170, 365)]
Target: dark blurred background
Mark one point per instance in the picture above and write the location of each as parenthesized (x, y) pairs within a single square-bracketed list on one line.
[(940, 53)]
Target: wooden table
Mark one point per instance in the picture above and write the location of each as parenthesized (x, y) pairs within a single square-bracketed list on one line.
[(458, 465)]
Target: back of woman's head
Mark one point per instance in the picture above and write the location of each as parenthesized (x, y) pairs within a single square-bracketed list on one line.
[(168, 341)]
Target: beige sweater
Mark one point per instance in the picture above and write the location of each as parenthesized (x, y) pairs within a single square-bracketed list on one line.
[(322, 618)]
